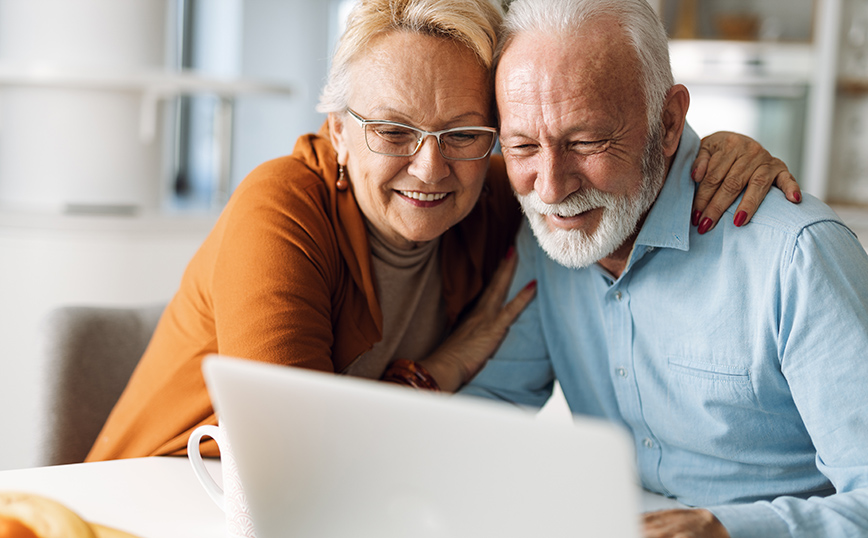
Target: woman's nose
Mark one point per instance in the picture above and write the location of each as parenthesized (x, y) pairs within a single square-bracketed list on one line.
[(428, 164)]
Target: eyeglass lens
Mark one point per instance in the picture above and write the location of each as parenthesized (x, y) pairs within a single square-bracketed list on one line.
[(463, 144)]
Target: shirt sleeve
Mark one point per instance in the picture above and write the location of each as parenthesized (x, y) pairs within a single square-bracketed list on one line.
[(822, 348), (520, 371)]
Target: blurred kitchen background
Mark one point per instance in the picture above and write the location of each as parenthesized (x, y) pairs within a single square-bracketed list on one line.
[(126, 124)]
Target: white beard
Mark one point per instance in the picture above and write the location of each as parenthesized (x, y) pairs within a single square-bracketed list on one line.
[(619, 220)]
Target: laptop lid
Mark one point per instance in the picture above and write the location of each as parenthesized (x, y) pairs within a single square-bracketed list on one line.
[(328, 456)]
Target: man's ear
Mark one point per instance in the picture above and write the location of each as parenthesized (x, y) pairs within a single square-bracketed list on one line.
[(338, 137), (674, 117)]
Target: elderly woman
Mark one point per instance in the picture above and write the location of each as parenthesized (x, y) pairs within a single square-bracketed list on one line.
[(379, 248)]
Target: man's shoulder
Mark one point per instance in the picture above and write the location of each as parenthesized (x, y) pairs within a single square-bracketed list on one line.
[(809, 231), (779, 214)]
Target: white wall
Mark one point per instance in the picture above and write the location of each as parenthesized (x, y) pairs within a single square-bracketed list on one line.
[(49, 260), (288, 41)]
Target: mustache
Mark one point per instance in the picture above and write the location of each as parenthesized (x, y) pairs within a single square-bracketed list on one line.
[(575, 204)]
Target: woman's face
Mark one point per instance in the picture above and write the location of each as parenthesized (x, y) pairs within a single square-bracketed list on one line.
[(429, 83)]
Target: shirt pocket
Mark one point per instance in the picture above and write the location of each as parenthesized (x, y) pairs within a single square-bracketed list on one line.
[(715, 373), (706, 402)]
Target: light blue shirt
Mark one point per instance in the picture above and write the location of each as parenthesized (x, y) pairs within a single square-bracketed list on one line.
[(738, 359)]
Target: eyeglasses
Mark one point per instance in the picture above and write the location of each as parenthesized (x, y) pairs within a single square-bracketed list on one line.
[(399, 140)]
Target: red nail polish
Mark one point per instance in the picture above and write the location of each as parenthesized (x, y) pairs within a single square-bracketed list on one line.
[(693, 174), (695, 219), (530, 285), (797, 196), (740, 217), (510, 253), (705, 225)]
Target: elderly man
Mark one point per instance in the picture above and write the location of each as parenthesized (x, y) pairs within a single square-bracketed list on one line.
[(738, 363)]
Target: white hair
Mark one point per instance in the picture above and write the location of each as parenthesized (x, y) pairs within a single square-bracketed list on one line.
[(641, 25)]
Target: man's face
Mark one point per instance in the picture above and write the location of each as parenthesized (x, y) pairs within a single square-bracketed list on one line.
[(574, 136)]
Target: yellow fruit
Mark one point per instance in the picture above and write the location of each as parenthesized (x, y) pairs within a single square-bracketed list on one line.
[(45, 517), (12, 528), (102, 531)]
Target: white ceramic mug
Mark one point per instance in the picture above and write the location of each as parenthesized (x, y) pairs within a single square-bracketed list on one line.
[(231, 497)]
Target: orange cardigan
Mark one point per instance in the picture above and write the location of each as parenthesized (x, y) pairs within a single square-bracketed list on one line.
[(284, 277)]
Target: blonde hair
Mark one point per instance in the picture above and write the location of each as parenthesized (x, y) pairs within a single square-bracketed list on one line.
[(473, 23)]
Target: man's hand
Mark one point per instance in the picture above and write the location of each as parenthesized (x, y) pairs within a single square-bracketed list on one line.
[(689, 523)]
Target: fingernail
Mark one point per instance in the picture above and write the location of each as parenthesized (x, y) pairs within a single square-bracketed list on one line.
[(510, 253), (530, 285), (740, 217), (705, 225), (693, 175), (797, 196), (695, 219)]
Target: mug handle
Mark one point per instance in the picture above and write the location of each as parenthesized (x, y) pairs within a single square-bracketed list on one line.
[(214, 491)]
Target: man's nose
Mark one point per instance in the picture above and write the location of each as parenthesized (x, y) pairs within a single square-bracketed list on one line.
[(428, 164), (553, 184)]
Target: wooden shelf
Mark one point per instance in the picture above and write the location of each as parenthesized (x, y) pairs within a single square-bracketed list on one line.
[(853, 86)]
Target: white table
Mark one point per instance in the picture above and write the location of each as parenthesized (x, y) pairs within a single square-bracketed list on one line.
[(150, 497)]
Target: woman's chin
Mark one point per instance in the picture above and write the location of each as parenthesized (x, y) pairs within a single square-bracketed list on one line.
[(424, 234)]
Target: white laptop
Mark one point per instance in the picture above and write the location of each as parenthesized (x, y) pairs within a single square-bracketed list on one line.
[(329, 456)]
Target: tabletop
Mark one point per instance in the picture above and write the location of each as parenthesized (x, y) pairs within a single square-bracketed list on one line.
[(151, 497), (147, 497)]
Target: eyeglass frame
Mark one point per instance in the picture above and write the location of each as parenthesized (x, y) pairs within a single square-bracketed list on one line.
[(424, 134)]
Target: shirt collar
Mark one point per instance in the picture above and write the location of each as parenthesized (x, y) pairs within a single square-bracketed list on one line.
[(668, 222)]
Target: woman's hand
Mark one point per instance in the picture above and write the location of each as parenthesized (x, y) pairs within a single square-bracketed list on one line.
[(479, 335), (691, 523), (729, 163)]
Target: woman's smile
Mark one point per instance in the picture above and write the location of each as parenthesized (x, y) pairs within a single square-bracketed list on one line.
[(423, 199)]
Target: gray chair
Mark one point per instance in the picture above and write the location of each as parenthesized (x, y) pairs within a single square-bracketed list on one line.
[(90, 353)]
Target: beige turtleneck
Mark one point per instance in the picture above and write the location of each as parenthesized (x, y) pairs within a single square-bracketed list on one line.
[(414, 316)]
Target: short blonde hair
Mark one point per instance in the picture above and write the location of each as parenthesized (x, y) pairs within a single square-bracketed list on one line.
[(473, 23)]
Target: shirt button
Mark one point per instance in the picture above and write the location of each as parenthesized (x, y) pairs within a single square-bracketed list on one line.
[(648, 443), (622, 372), (618, 296)]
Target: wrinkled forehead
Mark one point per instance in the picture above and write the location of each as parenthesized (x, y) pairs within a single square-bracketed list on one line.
[(596, 71), (414, 72), (597, 49)]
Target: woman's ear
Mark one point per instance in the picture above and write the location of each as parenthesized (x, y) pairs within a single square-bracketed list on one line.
[(338, 137), (674, 118)]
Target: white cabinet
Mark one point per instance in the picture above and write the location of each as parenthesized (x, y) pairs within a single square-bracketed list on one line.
[(87, 90), (848, 177), (791, 73)]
